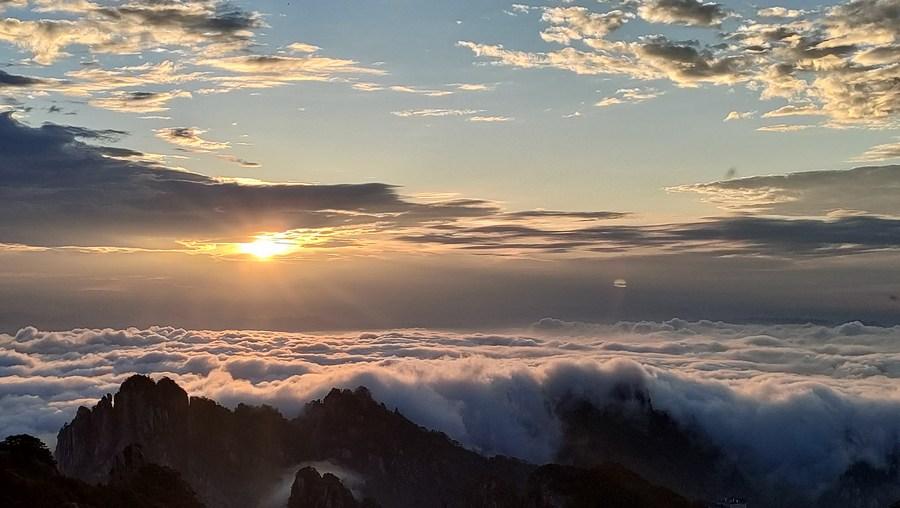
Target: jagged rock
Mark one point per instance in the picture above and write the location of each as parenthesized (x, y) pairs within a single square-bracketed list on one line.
[(864, 485), (310, 490), (142, 411), (235, 458), (404, 465), (228, 457), (630, 431)]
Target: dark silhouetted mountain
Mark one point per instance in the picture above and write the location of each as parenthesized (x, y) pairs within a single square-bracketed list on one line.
[(310, 490), (404, 465), (29, 479), (865, 486), (138, 481), (631, 432), (609, 486), (229, 457), (235, 458)]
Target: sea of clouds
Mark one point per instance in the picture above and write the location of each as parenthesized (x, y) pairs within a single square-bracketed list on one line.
[(795, 402)]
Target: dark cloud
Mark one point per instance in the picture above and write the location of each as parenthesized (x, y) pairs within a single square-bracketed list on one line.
[(726, 235), (861, 16), (217, 21), (14, 80), (204, 25), (58, 190), (535, 214), (684, 12), (685, 62), (867, 189), (798, 237)]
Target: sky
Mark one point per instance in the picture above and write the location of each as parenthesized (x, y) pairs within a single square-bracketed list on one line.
[(348, 165)]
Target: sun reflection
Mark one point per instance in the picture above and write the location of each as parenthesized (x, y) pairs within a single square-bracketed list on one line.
[(266, 247)]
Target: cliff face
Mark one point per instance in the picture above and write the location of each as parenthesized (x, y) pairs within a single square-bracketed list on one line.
[(631, 432), (142, 411), (227, 456)]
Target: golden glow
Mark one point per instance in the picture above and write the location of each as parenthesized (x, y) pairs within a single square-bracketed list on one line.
[(266, 247)]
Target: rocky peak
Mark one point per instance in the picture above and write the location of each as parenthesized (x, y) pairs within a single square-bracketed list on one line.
[(310, 490), (223, 454), (143, 410)]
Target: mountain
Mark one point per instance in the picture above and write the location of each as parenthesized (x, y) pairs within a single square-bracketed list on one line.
[(630, 431), (29, 479), (610, 486), (864, 485), (312, 490), (404, 465), (227, 456), (236, 458)]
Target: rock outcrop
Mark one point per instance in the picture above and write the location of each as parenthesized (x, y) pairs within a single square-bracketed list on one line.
[(227, 456), (310, 490)]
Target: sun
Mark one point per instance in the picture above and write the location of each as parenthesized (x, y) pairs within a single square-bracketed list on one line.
[(266, 247)]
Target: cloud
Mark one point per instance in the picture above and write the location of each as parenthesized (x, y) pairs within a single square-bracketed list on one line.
[(434, 112), (739, 115), (240, 162), (490, 119), (8, 80), (793, 110), (650, 58), (630, 96), (139, 102), (190, 138), (214, 41), (576, 23), (202, 25), (475, 87), (13, 3), (795, 405), (265, 71), (741, 235), (867, 189), (88, 197), (374, 87), (839, 62), (780, 12), (683, 12), (880, 152), (302, 47), (785, 127), (103, 197)]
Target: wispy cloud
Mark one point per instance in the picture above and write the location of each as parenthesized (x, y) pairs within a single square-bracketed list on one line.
[(434, 112), (190, 138)]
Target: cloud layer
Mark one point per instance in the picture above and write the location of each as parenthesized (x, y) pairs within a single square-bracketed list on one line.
[(792, 402)]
